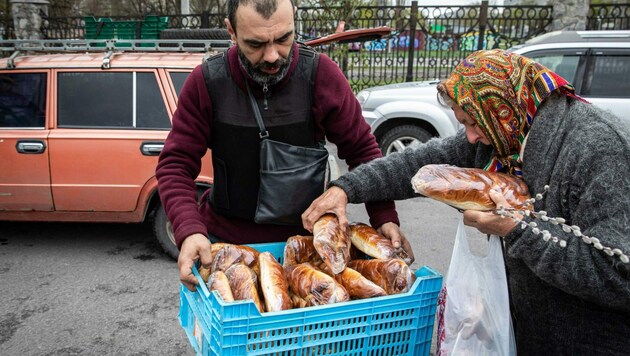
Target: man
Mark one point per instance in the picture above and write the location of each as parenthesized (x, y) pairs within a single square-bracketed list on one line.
[(267, 56)]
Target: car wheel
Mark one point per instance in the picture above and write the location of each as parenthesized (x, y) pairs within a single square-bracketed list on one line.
[(163, 229), (401, 137)]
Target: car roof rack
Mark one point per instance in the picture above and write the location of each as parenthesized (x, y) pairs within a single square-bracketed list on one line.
[(109, 47), (566, 36), (604, 34)]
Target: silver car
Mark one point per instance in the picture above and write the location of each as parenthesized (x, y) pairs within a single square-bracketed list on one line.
[(597, 63)]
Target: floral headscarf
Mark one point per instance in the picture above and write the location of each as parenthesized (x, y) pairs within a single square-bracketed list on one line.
[(501, 91)]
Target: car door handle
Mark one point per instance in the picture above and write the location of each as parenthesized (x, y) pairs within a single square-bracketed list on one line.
[(151, 148), (30, 146)]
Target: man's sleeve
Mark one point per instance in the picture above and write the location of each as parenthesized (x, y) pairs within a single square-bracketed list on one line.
[(180, 160)]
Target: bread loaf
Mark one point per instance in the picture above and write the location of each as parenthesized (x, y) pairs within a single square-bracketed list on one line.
[(245, 253), (468, 188), (298, 249), (244, 284), (368, 240), (229, 255), (298, 302), (273, 283), (355, 283), (393, 275), (332, 242), (218, 281), (313, 286)]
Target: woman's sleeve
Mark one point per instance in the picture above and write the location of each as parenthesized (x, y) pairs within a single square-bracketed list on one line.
[(389, 178)]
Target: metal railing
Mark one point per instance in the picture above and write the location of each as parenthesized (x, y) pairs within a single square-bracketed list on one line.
[(608, 17), (428, 41)]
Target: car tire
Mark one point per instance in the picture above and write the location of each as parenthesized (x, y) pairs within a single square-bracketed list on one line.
[(163, 229), (195, 34), (401, 137)]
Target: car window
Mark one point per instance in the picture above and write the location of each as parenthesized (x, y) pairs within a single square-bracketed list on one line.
[(178, 79), (563, 64), (22, 100), (151, 110), (609, 76), (110, 100)]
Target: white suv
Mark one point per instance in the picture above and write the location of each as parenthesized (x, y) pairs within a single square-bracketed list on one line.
[(597, 63)]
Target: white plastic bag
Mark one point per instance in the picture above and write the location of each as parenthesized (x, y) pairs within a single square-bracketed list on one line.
[(474, 310)]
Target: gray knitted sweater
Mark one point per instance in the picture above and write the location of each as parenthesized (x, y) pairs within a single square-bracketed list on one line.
[(565, 301)]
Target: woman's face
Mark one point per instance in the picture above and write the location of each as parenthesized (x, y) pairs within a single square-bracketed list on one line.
[(474, 133)]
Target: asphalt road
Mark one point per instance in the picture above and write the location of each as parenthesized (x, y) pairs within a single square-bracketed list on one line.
[(88, 289)]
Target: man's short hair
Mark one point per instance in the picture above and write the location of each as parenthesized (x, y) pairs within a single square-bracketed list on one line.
[(265, 8)]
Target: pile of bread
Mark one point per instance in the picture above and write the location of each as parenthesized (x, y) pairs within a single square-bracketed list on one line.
[(332, 266)]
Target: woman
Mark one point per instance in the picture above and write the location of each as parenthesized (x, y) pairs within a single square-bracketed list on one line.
[(520, 118)]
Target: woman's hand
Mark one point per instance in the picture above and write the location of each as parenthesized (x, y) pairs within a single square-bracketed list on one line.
[(489, 222), (334, 200)]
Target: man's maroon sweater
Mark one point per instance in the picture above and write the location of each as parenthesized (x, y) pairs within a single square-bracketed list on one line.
[(338, 119)]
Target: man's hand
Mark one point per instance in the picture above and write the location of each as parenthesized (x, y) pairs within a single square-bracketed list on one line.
[(392, 232), (195, 247), (334, 200), (489, 222)]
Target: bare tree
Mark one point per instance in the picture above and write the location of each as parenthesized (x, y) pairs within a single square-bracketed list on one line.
[(6, 20), (61, 8), (95, 8), (215, 6), (137, 7)]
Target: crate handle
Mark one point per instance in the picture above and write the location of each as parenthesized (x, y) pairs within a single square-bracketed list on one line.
[(202, 285)]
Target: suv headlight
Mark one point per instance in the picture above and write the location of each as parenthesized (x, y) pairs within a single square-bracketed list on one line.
[(363, 97)]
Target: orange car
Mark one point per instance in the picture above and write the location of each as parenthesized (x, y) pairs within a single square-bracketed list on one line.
[(80, 143), (81, 129)]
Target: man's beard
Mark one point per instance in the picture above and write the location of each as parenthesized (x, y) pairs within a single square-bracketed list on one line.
[(262, 78)]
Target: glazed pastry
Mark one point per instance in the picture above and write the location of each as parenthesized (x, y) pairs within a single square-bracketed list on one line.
[(229, 255), (248, 254), (373, 244), (332, 242), (218, 281), (356, 284), (298, 302), (314, 286), (273, 283), (244, 284), (393, 275), (298, 249), (468, 188)]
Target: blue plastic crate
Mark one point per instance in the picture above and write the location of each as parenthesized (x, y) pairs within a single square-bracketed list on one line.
[(399, 324)]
